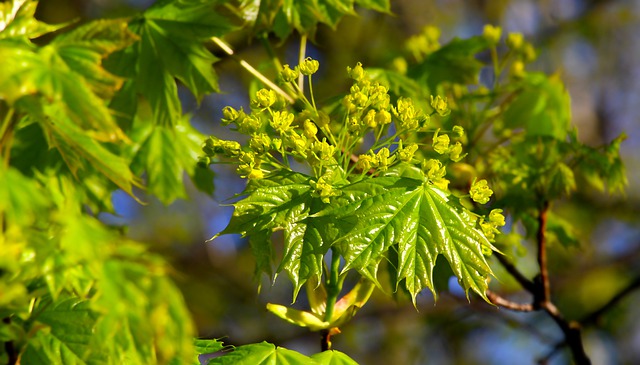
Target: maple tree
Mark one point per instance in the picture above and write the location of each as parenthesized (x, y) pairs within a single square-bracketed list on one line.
[(384, 177)]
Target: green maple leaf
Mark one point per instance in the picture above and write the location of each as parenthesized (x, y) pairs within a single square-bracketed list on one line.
[(17, 20), (172, 46), (283, 201), (455, 62), (418, 218), (285, 16), (262, 353)]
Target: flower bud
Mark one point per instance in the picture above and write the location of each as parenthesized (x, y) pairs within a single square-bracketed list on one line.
[(266, 97), (310, 129), (440, 105), (440, 143), (515, 41), (309, 66), (289, 75), (356, 73), (480, 192), (491, 33)]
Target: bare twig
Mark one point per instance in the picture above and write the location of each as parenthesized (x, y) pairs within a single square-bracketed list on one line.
[(545, 291), (520, 278), (595, 315), (508, 304)]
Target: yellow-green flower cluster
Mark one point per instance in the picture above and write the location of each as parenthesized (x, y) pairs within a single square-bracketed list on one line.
[(440, 105), (490, 227), (424, 43), (435, 172), (480, 191), (380, 160), (409, 116), (442, 144)]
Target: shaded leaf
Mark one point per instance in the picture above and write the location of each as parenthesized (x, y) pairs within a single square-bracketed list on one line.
[(542, 107), (455, 62)]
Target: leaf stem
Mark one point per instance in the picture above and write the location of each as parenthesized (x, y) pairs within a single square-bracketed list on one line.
[(228, 50), (333, 284), (6, 133)]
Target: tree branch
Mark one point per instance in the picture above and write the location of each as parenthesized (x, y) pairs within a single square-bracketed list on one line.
[(545, 288), (595, 315), (508, 304), (520, 278)]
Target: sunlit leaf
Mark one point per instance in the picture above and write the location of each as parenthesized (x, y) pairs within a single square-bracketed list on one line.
[(17, 20), (421, 220), (262, 354), (303, 16), (84, 48), (172, 45), (333, 357)]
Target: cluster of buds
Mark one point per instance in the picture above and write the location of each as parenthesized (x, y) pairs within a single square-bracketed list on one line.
[(490, 226), (442, 144)]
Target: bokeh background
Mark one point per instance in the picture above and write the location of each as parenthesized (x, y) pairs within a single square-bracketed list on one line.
[(593, 44)]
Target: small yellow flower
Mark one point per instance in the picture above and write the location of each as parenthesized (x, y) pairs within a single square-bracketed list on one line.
[(440, 143), (310, 129), (492, 33), (266, 97), (356, 73), (309, 66), (289, 75), (480, 192), (515, 41), (440, 105)]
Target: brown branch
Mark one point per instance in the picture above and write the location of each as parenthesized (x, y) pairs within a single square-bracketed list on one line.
[(520, 278), (508, 304), (595, 315), (545, 289)]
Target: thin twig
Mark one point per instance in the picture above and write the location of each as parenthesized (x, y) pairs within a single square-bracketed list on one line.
[(595, 315), (508, 304), (542, 255), (228, 50), (520, 278)]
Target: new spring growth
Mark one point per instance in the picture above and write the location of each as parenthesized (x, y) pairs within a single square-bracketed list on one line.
[(515, 41), (289, 75), (490, 227), (405, 153), (480, 191), (435, 172), (356, 73), (407, 114), (440, 143), (440, 105), (492, 33), (266, 97), (230, 115), (281, 121), (309, 66)]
